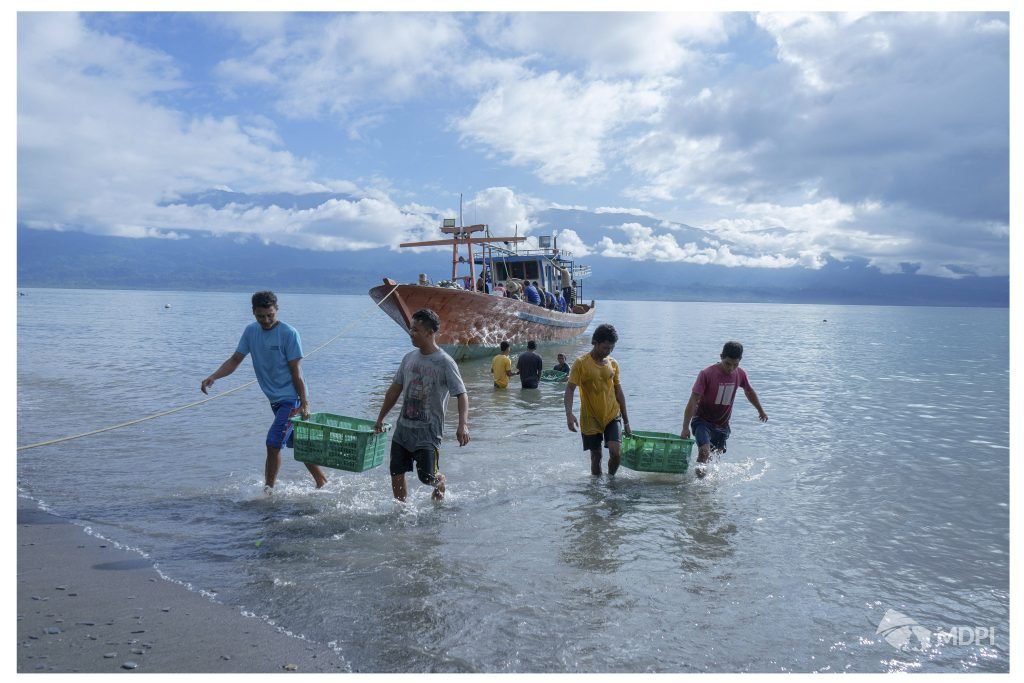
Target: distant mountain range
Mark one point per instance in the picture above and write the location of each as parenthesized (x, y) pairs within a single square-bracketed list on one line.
[(229, 263)]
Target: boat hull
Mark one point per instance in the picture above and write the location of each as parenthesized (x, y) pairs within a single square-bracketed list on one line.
[(474, 324)]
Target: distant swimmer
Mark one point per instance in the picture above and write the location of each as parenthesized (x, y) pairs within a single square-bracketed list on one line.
[(426, 378), (276, 354), (602, 403), (710, 406)]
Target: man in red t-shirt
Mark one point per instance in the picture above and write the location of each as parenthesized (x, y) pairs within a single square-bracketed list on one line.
[(711, 399)]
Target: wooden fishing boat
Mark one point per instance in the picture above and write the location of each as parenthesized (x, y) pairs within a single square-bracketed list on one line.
[(473, 322)]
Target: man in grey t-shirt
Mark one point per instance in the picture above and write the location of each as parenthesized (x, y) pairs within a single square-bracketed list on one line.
[(426, 378)]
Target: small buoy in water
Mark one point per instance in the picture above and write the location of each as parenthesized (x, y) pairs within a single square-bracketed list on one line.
[(21, 293), (825, 321), (167, 305)]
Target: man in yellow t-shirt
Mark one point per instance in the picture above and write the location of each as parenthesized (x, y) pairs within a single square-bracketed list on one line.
[(501, 367), (602, 403)]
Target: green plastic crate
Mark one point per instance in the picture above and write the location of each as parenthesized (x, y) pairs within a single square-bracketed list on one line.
[(553, 376), (656, 452), (343, 443)]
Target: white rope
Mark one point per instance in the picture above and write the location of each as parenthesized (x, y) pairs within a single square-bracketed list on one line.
[(202, 401)]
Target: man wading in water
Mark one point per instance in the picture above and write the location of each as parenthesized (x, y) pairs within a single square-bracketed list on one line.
[(426, 377), (276, 353), (711, 399), (602, 403)]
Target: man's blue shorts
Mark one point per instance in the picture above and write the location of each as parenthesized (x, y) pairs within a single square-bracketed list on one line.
[(280, 433), (611, 433), (705, 432)]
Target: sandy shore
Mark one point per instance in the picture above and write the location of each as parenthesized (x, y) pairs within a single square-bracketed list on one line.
[(86, 606)]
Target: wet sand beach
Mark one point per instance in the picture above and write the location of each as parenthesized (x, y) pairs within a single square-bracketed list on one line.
[(86, 606)]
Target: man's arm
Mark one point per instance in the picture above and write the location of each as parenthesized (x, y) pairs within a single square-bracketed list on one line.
[(691, 407), (752, 397), (621, 398), (300, 386), (390, 399), (462, 432), (225, 369), (570, 419)]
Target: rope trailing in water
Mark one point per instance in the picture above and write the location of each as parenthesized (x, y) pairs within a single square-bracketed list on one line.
[(200, 402)]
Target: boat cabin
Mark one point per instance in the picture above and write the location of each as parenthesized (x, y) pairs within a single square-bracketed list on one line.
[(501, 268), (508, 269)]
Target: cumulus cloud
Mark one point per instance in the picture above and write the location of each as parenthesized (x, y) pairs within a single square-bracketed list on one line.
[(97, 152), (556, 123), (638, 44), (328, 64), (643, 244), (502, 209), (570, 243), (789, 138)]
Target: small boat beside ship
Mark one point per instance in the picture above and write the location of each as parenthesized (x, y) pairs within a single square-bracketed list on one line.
[(473, 322)]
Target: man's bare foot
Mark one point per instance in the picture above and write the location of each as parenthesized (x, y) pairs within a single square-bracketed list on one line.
[(320, 481), (438, 493), (268, 490)]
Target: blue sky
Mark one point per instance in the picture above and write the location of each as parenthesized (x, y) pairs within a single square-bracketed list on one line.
[(790, 137)]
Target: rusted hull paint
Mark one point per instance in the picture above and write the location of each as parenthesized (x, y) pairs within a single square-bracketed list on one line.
[(474, 324)]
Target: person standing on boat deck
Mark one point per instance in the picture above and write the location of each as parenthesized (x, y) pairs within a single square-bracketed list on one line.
[(602, 403), (529, 366), (276, 354), (566, 282), (530, 293), (710, 406), (426, 378), (501, 367), (562, 365)]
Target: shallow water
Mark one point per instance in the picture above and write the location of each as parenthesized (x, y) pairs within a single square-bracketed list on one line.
[(880, 482)]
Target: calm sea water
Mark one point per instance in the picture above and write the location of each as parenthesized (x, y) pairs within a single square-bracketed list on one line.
[(880, 482)]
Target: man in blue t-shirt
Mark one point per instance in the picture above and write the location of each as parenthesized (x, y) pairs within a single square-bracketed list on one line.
[(276, 353), (531, 294)]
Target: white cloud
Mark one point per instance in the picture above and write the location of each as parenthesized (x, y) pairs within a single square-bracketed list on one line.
[(96, 151), (790, 137), (570, 243), (557, 123), (328, 64), (625, 210), (502, 209), (631, 43), (643, 244)]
